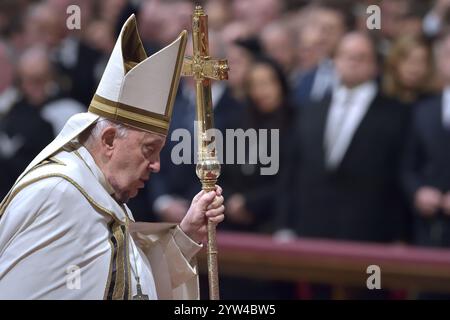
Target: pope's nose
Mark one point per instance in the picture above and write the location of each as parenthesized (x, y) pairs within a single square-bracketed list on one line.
[(155, 166)]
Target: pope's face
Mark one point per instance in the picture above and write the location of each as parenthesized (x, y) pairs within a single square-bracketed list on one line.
[(132, 160)]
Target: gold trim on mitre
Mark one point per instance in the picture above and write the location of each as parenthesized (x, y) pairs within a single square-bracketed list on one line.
[(133, 54), (135, 117), (176, 75)]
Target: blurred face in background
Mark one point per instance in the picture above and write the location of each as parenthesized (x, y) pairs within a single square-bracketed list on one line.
[(219, 13), (392, 13), (100, 36), (235, 30), (110, 10), (309, 51), (410, 25), (7, 71), (179, 14), (264, 88), (239, 60), (34, 73), (257, 13), (149, 23), (443, 60), (331, 27), (414, 67), (355, 60), (44, 26), (279, 45)]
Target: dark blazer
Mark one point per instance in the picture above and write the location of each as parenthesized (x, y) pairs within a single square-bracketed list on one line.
[(361, 198), (25, 127), (79, 81), (246, 179), (426, 163), (303, 87)]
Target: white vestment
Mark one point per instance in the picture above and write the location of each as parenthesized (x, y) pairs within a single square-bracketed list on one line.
[(62, 236)]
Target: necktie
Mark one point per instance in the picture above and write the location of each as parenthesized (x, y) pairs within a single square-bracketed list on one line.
[(446, 111), (335, 125)]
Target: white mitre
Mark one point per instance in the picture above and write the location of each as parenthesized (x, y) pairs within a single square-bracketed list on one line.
[(135, 90)]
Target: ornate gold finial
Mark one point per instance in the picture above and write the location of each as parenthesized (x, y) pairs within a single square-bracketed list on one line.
[(199, 11), (203, 69)]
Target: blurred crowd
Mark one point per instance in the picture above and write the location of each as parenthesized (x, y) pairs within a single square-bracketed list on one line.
[(363, 114)]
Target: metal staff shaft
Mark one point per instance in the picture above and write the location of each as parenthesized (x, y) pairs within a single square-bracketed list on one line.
[(203, 69)]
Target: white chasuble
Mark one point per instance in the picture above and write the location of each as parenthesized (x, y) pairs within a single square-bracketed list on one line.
[(62, 236)]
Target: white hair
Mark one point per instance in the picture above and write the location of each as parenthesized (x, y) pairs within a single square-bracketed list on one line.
[(99, 126)]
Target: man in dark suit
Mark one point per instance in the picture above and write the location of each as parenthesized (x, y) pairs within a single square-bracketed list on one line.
[(342, 176), (329, 21), (426, 169)]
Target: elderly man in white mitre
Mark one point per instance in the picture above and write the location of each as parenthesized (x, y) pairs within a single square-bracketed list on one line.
[(65, 231)]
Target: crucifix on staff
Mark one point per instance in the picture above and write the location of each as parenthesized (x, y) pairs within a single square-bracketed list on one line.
[(204, 69)]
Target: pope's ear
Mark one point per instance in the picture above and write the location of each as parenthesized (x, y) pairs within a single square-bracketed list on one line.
[(109, 134)]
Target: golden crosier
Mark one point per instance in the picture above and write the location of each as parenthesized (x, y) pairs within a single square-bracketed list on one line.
[(204, 69)]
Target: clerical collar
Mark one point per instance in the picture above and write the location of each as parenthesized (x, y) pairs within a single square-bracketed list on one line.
[(90, 162)]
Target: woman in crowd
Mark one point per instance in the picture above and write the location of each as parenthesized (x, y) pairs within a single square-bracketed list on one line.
[(251, 198), (409, 70)]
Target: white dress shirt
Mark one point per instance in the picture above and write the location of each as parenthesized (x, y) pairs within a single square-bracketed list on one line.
[(446, 108), (324, 80)]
